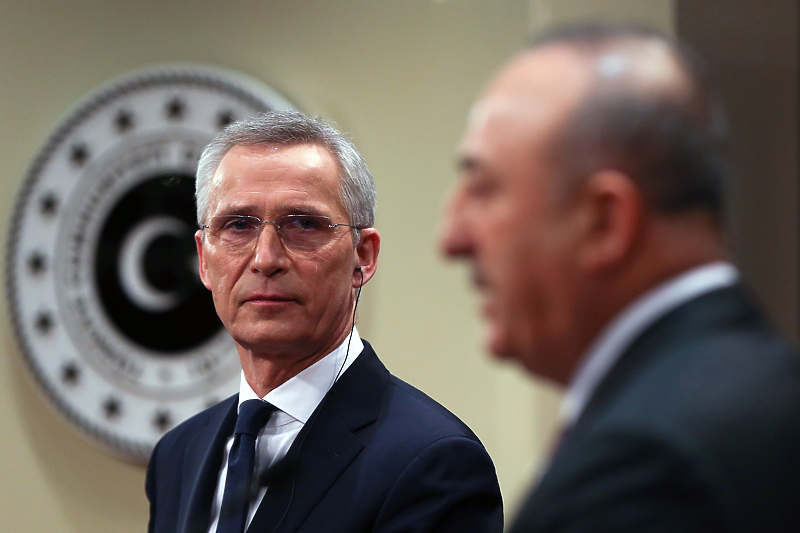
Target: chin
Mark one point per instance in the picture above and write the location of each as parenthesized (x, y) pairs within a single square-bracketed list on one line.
[(507, 347), (499, 343), (264, 339)]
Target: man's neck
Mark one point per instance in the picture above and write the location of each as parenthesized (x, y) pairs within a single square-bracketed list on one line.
[(266, 370)]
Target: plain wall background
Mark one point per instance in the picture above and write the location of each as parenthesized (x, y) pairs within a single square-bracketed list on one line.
[(400, 77)]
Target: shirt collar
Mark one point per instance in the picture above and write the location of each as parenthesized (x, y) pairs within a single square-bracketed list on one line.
[(300, 395), (618, 335)]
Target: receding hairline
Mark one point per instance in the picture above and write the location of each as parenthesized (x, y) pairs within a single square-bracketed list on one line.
[(598, 35), (689, 82), (680, 96)]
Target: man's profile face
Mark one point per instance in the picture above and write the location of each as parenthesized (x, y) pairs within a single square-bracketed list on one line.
[(282, 301), (507, 216)]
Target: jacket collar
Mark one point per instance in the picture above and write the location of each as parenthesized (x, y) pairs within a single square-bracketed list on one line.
[(325, 446), (205, 449), (721, 310)]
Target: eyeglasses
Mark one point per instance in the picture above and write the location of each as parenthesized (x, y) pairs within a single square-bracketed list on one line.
[(239, 233)]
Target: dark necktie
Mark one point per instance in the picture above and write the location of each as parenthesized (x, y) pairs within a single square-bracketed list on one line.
[(241, 463)]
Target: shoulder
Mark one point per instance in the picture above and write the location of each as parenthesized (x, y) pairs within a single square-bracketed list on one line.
[(713, 385), (734, 391), (432, 464), (368, 392), (410, 407), (717, 416), (700, 366), (396, 421)]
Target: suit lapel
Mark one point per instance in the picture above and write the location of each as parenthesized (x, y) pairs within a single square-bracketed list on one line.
[(206, 449), (325, 446), (718, 311)]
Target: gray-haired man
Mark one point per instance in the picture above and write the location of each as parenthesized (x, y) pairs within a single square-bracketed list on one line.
[(337, 444)]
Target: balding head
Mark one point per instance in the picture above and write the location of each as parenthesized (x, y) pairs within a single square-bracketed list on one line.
[(590, 174), (649, 109)]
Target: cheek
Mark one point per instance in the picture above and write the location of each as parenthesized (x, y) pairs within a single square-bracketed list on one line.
[(222, 274), (326, 272), (518, 291), (514, 256), (528, 274)]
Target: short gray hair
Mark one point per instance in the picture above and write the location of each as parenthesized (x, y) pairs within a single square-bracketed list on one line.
[(289, 127)]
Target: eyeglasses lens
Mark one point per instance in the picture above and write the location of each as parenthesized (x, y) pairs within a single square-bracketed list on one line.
[(238, 233)]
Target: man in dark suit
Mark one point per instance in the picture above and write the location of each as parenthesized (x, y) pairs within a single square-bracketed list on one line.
[(320, 438), (591, 208)]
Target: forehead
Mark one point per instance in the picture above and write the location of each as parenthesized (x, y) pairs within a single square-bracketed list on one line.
[(525, 104), (275, 176)]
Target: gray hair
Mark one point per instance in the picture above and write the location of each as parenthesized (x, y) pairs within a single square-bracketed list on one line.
[(289, 127)]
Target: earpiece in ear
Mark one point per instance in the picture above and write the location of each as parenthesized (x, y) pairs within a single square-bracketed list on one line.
[(358, 268)]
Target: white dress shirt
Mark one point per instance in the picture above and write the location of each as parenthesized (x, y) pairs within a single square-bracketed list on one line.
[(618, 335), (295, 400)]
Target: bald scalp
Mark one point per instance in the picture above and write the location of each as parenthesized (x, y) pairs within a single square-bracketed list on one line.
[(650, 110)]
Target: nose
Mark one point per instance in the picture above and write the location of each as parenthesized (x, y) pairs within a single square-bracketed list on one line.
[(269, 255), (455, 234)]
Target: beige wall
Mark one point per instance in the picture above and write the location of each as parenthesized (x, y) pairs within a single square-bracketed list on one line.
[(400, 77)]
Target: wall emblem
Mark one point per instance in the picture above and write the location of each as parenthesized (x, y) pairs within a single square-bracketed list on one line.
[(102, 270)]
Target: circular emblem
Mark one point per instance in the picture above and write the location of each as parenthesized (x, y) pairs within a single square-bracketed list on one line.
[(102, 269)]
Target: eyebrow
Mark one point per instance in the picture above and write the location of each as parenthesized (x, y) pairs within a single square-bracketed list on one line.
[(237, 209), (286, 209)]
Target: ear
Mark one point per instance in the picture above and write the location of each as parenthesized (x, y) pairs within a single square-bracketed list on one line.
[(367, 249), (198, 240), (614, 209)]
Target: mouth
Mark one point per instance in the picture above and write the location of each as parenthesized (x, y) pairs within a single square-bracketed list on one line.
[(269, 299), (483, 289), (479, 281)]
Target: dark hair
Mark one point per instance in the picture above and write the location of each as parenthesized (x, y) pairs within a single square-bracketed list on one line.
[(673, 144)]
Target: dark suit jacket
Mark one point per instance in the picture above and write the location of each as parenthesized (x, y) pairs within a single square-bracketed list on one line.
[(696, 428), (377, 455)]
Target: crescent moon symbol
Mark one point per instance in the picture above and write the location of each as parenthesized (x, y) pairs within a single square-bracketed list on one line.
[(131, 266)]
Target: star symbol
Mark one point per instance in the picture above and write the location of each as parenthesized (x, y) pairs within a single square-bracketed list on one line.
[(44, 322), (175, 109), (79, 154), (48, 204), (70, 373), (162, 420), (112, 407), (123, 121), (225, 118), (37, 263)]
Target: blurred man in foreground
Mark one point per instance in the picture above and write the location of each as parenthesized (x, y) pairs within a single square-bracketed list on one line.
[(591, 210), (321, 438)]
